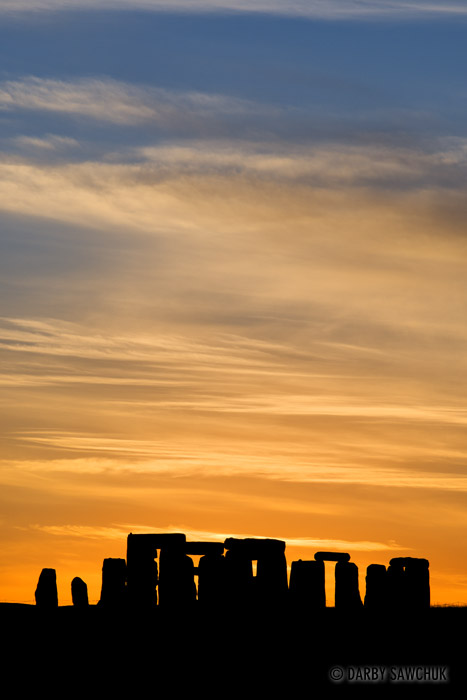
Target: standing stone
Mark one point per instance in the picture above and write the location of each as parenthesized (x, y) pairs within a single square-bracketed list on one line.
[(46, 592), (376, 594), (210, 571), (409, 584), (271, 578), (347, 596), (307, 585), (239, 577), (79, 593), (269, 586), (212, 580), (177, 587), (113, 583), (142, 571), (417, 584), (396, 585)]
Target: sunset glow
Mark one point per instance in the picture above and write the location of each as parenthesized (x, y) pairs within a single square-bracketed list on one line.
[(233, 281)]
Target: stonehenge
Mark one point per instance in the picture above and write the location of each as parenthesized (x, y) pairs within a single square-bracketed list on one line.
[(160, 571)]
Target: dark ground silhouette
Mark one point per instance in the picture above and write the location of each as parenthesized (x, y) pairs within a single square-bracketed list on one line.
[(154, 632), (244, 650)]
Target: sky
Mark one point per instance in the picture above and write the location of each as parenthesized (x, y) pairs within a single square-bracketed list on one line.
[(233, 294)]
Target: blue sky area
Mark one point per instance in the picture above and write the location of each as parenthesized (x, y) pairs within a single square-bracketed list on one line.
[(338, 67)]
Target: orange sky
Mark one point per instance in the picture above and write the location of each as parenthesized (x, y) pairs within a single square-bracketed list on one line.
[(294, 372)]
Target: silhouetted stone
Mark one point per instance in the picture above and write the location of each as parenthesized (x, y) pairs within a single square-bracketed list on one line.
[(405, 561), (396, 585), (239, 576), (46, 593), (79, 593), (113, 583), (307, 585), (332, 556), (253, 547), (417, 584), (269, 587), (347, 595), (409, 584), (177, 587), (141, 566), (376, 587), (271, 578), (155, 540), (212, 588)]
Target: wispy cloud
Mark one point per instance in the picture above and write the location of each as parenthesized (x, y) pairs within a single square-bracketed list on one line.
[(331, 9), (49, 142), (117, 102), (129, 460), (152, 193), (218, 128), (120, 532), (321, 164), (229, 374)]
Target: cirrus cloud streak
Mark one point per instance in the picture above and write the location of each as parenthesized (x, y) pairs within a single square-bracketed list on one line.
[(331, 9)]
